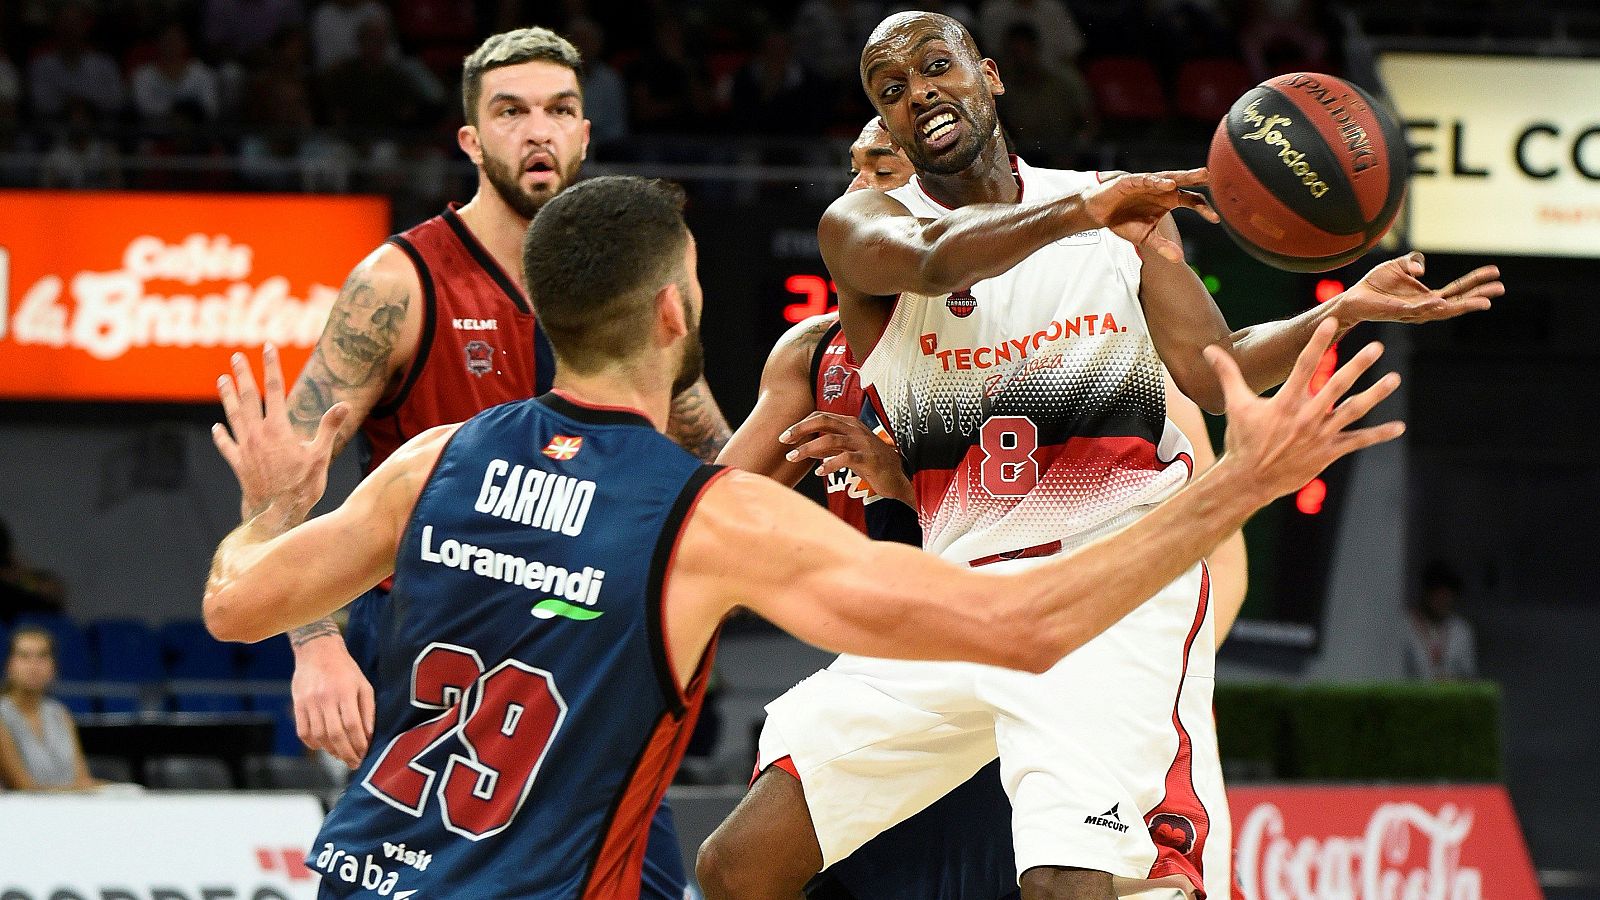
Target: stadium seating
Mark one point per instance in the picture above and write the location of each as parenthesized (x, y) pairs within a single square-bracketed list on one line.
[(188, 773), (193, 657), (1206, 88), (1126, 89), (126, 657)]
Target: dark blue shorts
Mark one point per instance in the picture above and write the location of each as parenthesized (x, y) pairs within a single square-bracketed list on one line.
[(957, 849)]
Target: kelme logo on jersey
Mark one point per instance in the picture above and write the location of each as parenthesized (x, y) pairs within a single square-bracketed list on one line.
[(961, 303), (550, 607), (563, 448), (833, 382), (480, 358)]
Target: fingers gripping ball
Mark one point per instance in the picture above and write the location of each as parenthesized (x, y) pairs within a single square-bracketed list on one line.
[(1307, 172)]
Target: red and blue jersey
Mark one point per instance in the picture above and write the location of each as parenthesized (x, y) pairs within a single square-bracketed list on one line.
[(528, 717)]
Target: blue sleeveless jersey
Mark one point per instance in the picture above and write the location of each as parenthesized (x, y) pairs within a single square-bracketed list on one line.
[(528, 718)]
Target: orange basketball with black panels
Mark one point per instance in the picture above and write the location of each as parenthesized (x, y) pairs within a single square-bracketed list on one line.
[(1307, 172)]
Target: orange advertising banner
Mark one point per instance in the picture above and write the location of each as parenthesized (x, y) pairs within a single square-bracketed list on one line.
[(143, 297)]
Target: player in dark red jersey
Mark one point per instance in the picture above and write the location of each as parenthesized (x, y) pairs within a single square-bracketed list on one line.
[(435, 326)]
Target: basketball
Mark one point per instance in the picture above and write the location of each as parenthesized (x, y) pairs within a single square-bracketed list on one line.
[(1307, 171)]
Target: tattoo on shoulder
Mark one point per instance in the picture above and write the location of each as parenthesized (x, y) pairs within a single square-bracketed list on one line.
[(697, 423), (354, 351), (299, 637)]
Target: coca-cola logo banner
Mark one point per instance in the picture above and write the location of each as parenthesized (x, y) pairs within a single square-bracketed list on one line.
[(1379, 843), (110, 296)]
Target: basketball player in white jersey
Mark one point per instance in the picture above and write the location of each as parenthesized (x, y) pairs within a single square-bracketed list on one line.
[(1014, 325)]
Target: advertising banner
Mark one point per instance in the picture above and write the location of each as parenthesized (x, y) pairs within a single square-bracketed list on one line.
[(123, 296), (157, 847), (1506, 152), (1385, 842)]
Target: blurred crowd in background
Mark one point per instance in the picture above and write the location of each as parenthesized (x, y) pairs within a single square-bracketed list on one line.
[(341, 95)]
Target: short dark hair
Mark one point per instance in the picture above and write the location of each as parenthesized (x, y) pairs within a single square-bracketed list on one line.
[(1439, 575), (510, 48), (594, 258)]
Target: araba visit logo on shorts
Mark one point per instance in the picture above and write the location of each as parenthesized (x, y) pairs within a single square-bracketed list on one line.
[(109, 313), (1405, 851)]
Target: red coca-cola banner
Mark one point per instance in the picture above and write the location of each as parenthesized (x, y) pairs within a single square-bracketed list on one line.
[(1379, 843)]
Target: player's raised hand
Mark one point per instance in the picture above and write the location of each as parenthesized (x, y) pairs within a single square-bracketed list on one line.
[(1285, 440), (274, 464), (1131, 205), (1393, 292), (845, 442)]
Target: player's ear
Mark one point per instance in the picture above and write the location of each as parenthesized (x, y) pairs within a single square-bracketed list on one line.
[(991, 74), (586, 129), (467, 140), (672, 313)]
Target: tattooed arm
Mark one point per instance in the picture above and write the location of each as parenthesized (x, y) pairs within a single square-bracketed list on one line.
[(697, 423), (371, 337)]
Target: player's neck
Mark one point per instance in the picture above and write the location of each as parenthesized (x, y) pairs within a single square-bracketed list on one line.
[(498, 228), (649, 394), (988, 180)]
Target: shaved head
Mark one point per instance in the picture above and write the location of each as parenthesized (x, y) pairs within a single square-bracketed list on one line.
[(905, 30), (932, 90)]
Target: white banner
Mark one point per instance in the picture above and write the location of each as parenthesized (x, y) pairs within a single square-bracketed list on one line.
[(1507, 152), (221, 846)]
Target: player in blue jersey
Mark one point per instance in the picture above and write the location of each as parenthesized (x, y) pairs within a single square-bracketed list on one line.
[(394, 351), (561, 570)]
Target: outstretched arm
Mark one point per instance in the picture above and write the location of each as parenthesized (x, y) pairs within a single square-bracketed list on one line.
[(1184, 320), (818, 579), (871, 241), (1391, 292), (278, 571)]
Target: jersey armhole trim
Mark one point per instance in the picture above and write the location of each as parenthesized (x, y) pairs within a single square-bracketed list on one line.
[(656, 587), (430, 306), (821, 350), (486, 261), (413, 524)]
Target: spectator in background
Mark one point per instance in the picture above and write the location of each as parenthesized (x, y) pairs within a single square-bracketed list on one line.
[(667, 89), (82, 156), (1048, 111), (605, 97), (775, 94), (71, 70), (1280, 36), (10, 93), (1442, 646), (961, 12), (23, 589), (41, 750), (371, 90), (174, 85), (833, 33), (243, 29), (336, 30), (1060, 38)]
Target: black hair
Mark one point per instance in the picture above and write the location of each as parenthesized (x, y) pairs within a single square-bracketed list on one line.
[(594, 258)]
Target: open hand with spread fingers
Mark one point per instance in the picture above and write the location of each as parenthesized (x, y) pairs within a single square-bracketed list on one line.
[(1285, 440), (1132, 205), (1393, 292), (275, 466)]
